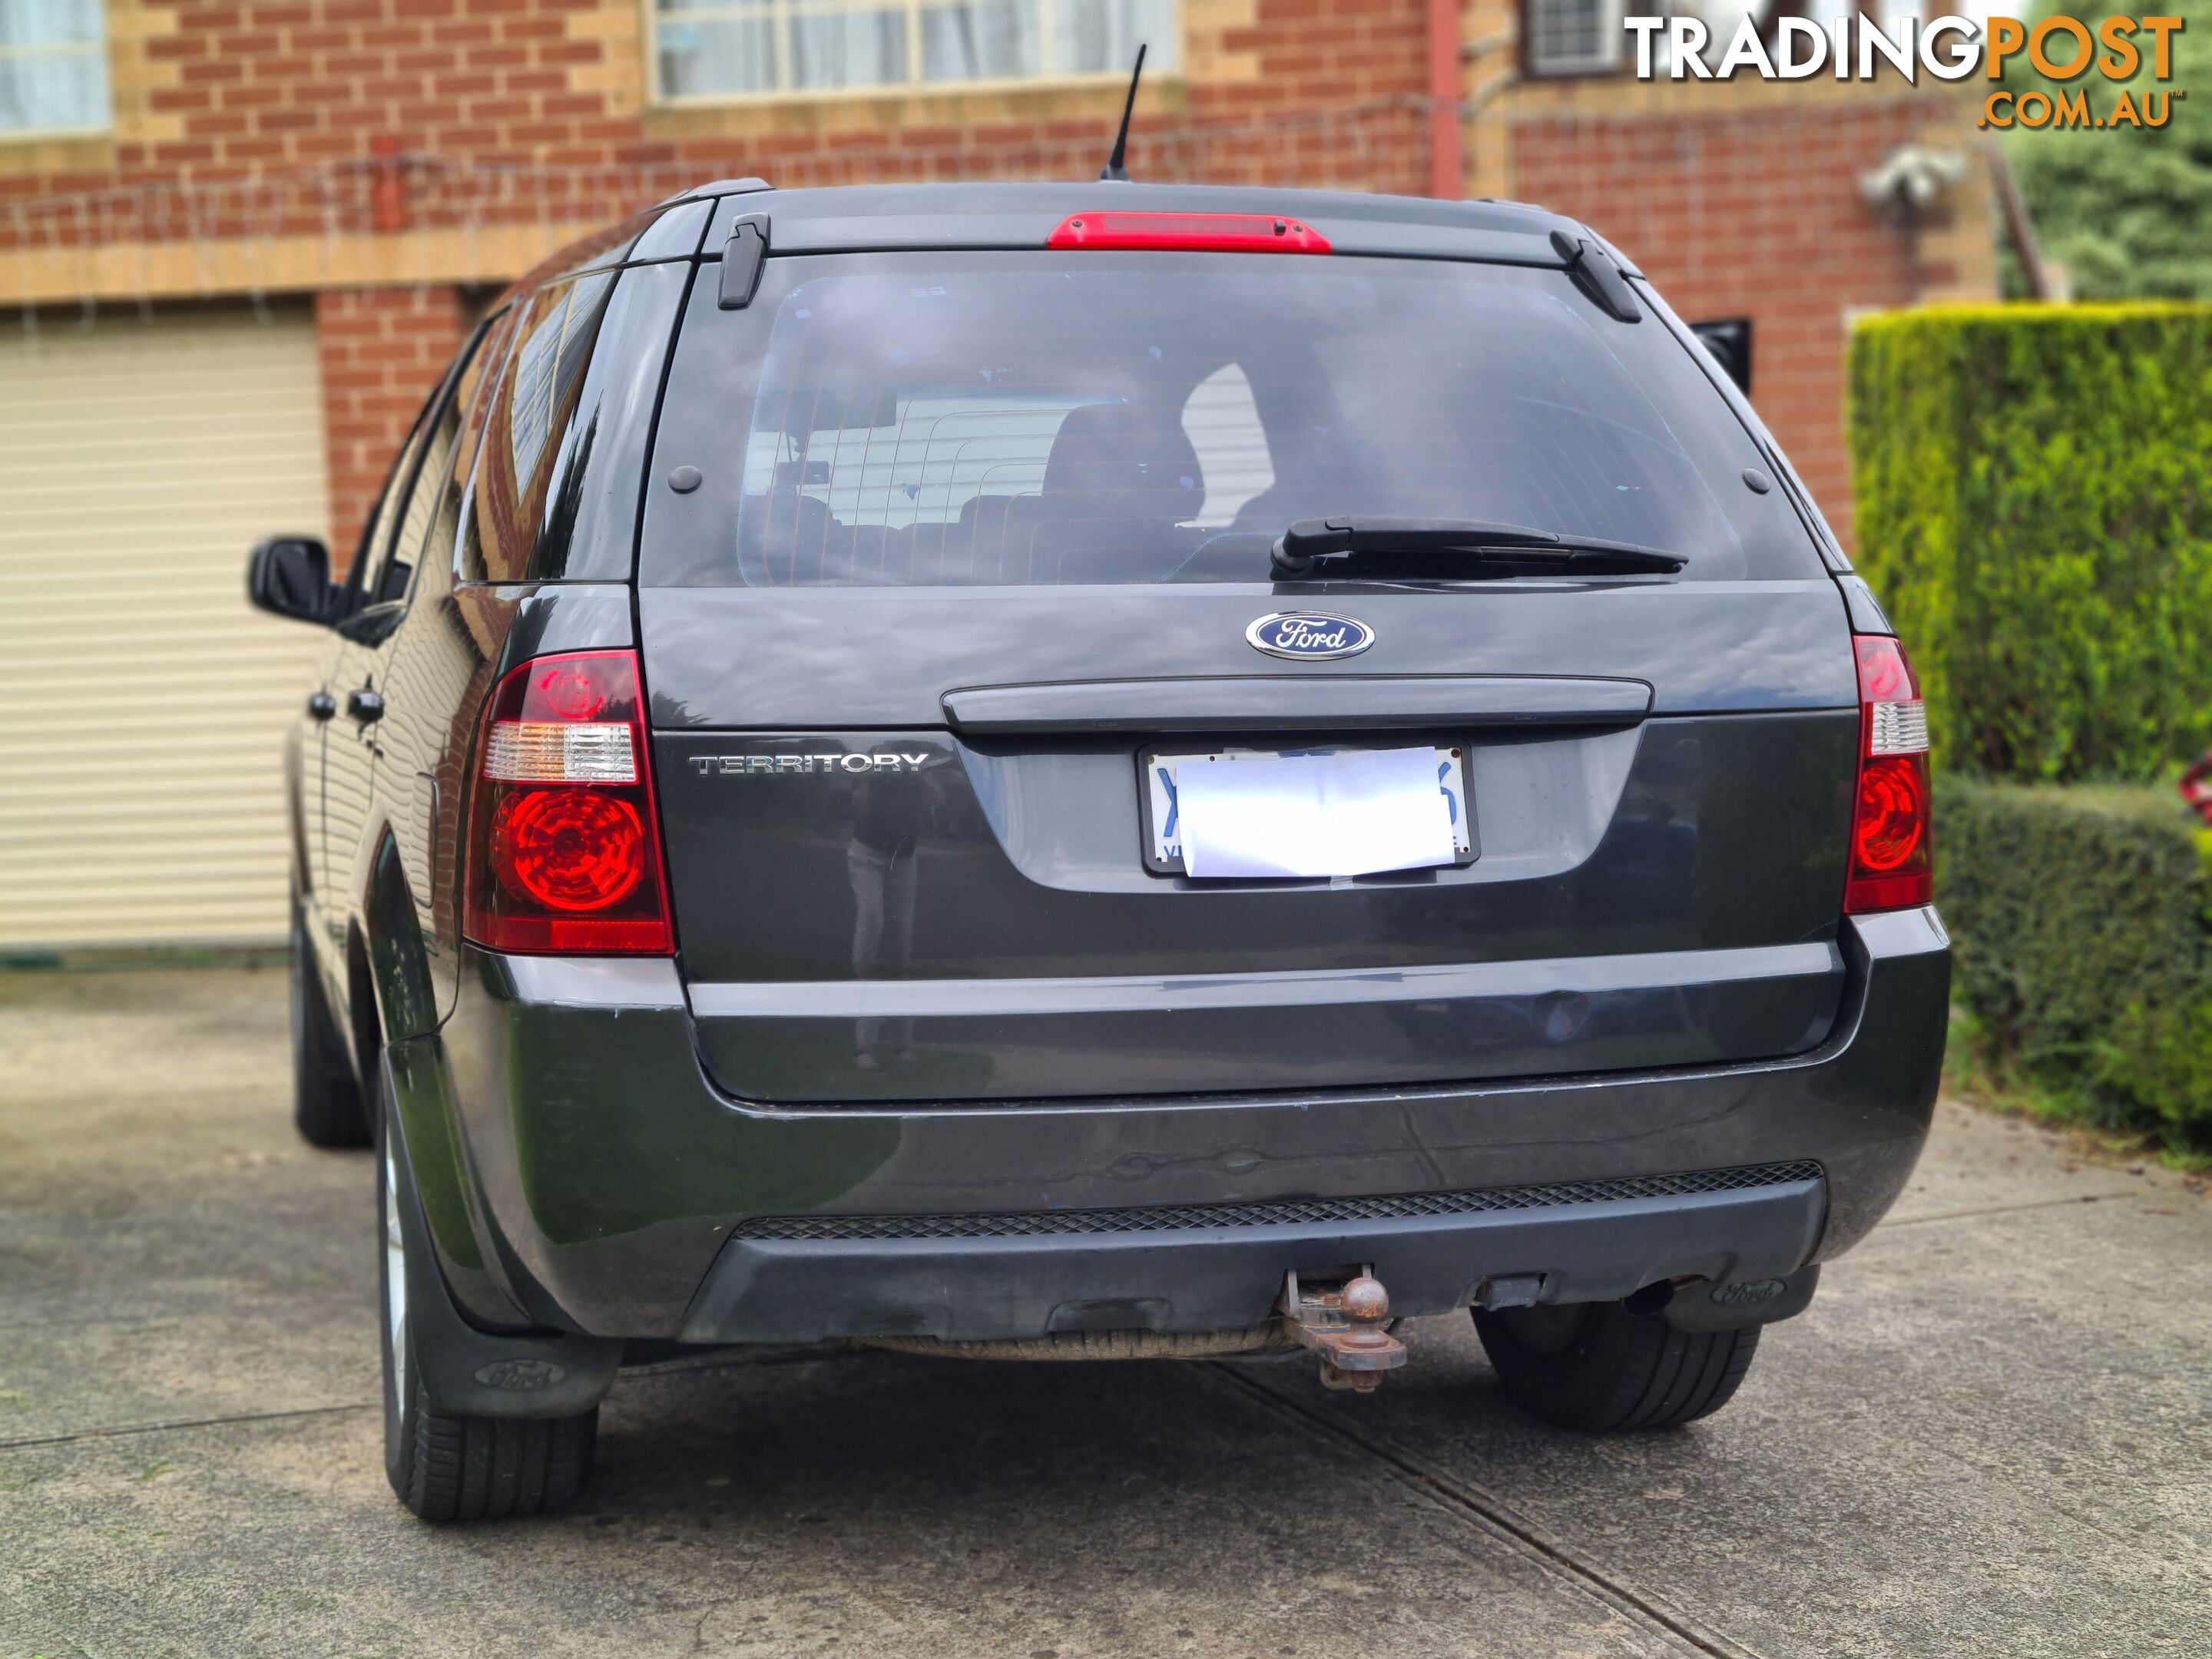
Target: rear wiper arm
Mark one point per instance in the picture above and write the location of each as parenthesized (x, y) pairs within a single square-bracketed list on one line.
[(1307, 546)]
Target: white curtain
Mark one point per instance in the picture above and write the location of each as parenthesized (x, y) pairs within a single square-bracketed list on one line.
[(836, 47), (1101, 36), (722, 53), (709, 46), (980, 40), (61, 80)]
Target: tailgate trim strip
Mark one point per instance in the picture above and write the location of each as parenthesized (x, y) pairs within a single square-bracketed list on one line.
[(1296, 702), (879, 999)]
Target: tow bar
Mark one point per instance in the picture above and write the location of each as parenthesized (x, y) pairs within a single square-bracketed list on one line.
[(1342, 1321)]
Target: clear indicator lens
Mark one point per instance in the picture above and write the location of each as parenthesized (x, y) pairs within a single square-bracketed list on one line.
[(560, 751), (1897, 728)]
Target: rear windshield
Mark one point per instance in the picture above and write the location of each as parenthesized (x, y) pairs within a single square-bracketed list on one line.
[(936, 420)]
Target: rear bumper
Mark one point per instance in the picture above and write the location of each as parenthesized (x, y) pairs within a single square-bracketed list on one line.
[(601, 1183), (1581, 1244)]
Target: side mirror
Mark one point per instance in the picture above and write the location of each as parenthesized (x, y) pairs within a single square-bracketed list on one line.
[(290, 576), (1729, 341)]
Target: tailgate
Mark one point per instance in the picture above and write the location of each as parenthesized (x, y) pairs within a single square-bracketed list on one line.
[(872, 903)]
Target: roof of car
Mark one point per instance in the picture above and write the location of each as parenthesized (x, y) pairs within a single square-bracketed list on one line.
[(1002, 215), (997, 215)]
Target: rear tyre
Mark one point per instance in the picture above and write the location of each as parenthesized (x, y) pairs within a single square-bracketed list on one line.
[(1598, 1367), (326, 1099), (446, 1467)]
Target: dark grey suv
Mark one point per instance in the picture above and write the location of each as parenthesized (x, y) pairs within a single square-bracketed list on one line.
[(1098, 770)]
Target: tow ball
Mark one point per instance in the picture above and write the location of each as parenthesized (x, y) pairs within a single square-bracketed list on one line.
[(1341, 1320)]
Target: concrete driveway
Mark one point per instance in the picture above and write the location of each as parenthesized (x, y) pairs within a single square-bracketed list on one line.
[(1992, 1435)]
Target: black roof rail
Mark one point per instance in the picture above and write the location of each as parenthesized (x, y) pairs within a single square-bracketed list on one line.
[(721, 187)]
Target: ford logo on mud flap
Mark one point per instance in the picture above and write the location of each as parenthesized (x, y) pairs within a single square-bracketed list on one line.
[(520, 1376), (1309, 635), (1749, 1294)]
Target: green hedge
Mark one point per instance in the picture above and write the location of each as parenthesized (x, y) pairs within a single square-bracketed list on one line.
[(2034, 510), (2078, 918)]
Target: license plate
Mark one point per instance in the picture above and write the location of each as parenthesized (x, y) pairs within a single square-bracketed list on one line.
[(1162, 822)]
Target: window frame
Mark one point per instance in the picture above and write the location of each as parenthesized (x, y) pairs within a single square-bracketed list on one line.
[(99, 49), (381, 524), (408, 475), (720, 360), (462, 399), (658, 97), (1589, 69), (1534, 73), (527, 316)]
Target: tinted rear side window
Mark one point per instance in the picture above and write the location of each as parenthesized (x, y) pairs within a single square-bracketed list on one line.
[(929, 420), (555, 488)]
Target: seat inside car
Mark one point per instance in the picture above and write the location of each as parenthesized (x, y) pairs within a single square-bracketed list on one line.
[(1120, 477), (1117, 481)]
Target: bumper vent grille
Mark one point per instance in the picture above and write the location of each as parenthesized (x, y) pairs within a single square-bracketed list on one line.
[(1285, 1213)]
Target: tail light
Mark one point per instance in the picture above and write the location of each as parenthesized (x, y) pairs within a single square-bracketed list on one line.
[(1893, 866), (564, 847)]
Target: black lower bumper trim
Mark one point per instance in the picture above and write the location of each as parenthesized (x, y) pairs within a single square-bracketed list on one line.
[(991, 1278), (1168, 1218)]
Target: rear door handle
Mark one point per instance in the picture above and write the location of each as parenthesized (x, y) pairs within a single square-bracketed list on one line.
[(1302, 702), (365, 705), (322, 705)]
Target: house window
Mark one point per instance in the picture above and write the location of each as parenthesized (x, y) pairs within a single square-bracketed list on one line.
[(53, 66), (1574, 37), (1591, 37), (720, 49)]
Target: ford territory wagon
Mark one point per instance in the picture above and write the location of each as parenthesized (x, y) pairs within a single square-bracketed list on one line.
[(1097, 771)]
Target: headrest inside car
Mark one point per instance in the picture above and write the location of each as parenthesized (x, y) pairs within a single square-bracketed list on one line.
[(1120, 447)]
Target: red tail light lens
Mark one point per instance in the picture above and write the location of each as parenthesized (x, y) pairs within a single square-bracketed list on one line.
[(1893, 864), (573, 850), (1197, 233), (564, 850)]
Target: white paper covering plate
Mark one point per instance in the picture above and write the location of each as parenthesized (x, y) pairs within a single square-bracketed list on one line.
[(1350, 812)]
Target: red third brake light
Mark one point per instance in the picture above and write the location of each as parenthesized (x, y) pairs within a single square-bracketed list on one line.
[(1891, 836), (1200, 232), (564, 851)]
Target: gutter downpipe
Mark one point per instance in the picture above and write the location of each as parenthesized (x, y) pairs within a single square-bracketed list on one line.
[(1447, 162)]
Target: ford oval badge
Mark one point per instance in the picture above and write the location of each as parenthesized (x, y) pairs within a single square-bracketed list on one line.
[(1309, 635)]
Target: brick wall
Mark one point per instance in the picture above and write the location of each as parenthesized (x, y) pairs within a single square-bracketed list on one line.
[(381, 351), (264, 84), (1757, 212), (207, 89)]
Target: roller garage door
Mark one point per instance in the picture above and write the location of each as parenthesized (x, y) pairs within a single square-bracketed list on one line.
[(142, 703)]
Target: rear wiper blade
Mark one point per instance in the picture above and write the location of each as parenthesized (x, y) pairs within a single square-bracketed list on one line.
[(1308, 547)]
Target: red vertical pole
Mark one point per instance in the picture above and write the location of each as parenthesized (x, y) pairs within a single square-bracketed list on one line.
[(387, 190), (1446, 156)]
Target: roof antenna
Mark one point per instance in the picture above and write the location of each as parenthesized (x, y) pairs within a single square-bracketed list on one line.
[(1117, 164)]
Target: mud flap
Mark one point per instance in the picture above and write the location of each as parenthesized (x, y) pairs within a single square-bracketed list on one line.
[(476, 1373), (1738, 1305)]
